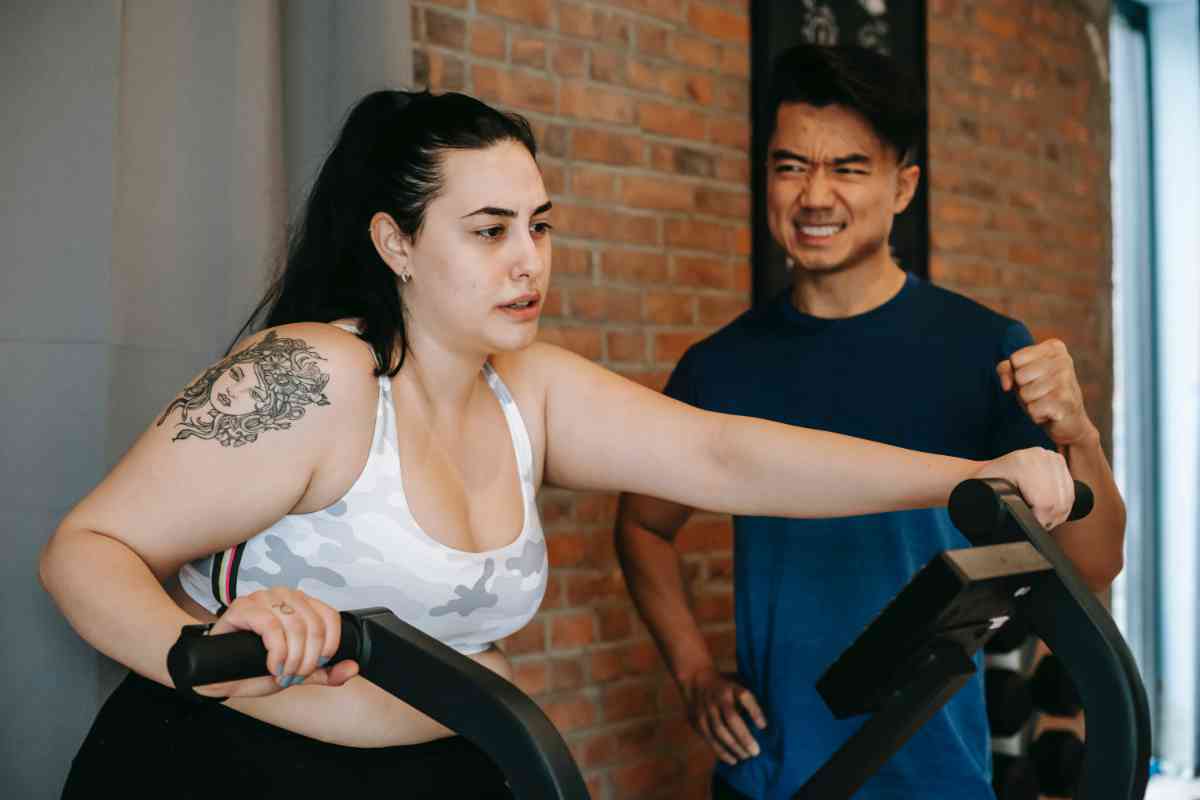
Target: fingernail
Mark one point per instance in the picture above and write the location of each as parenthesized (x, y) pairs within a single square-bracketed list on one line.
[(287, 681), (298, 681), (322, 661)]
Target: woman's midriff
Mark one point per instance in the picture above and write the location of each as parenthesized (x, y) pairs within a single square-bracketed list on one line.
[(356, 714)]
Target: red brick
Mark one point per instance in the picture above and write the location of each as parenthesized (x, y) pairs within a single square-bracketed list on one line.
[(614, 623), (592, 103), (683, 160), (730, 132), (553, 177), (596, 507), (720, 23), (634, 266), (586, 342), (590, 222), (570, 61), (531, 676), (525, 91), (445, 30), (572, 712), (572, 629), (657, 193), (735, 61), (722, 203), (701, 271), (628, 701), (694, 234), (719, 310), (528, 52), (552, 304), (568, 549), (669, 346), (705, 533), (578, 20), (598, 185), (625, 345), (639, 779), (608, 66), (713, 607), (695, 51), (670, 308), (663, 9), (572, 260), (538, 13), (671, 120), (652, 39), (590, 144), (586, 588), (488, 39), (530, 639), (565, 674), (438, 72), (1002, 25)]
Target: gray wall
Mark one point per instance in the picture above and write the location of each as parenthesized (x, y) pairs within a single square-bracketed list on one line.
[(146, 182)]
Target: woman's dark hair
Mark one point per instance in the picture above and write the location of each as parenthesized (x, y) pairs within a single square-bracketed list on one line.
[(875, 86), (386, 158)]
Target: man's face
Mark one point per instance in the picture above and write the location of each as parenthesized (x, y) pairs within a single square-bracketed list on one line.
[(833, 188)]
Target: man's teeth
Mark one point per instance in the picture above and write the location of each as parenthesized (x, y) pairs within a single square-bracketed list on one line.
[(820, 230)]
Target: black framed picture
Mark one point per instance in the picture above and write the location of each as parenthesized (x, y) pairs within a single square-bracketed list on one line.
[(895, 27)]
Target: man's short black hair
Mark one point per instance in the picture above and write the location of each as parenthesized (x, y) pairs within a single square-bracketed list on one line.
[(875, 86)]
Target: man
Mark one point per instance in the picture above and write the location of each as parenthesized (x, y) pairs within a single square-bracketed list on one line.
[(861, 348)]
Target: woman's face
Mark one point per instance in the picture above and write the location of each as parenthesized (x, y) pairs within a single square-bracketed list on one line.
[(480, 264), (237, 390)]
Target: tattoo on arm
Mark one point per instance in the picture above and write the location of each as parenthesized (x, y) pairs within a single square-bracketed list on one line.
[(265, 387)]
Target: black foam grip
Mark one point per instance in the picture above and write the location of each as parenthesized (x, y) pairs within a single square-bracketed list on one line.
[(977, 510), (201, 660)]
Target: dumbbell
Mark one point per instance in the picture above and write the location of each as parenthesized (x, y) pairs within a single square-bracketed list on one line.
[(1052, 689), (1014, 777), (1009, 703), (1058, 756)]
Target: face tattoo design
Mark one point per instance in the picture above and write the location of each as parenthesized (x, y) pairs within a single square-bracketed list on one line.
[(262, 388)]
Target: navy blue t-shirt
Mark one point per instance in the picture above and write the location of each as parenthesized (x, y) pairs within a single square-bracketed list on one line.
[(917, 372)]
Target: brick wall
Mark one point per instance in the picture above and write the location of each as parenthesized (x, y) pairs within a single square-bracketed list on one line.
[(641, 108), (1019, 156)]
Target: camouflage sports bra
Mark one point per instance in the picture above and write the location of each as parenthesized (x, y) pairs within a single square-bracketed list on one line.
[(367, 550)]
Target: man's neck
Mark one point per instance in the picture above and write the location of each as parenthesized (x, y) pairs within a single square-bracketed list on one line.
[(847, 292)]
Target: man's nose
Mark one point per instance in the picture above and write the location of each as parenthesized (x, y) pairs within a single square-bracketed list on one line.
[(817, 191)]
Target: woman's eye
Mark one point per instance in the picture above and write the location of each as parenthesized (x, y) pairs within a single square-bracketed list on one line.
[(541, 228), (494, 232)]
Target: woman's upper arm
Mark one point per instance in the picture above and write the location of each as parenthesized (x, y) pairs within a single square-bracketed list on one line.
[(608, 433), (235, 450)]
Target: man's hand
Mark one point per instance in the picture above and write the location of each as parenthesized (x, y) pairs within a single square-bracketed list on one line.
[(1048, 390), (715, 703)]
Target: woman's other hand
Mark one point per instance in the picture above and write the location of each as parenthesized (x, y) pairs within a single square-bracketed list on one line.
[(1042, 478), (300, 634)]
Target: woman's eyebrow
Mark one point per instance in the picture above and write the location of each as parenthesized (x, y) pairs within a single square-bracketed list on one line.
[(495, 211)]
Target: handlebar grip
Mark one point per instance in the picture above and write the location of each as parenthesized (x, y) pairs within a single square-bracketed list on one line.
[(200, 660), (1084, 501), (977, 510)]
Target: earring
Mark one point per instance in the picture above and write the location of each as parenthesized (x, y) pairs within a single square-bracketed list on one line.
[(788, 262), (405, 276)]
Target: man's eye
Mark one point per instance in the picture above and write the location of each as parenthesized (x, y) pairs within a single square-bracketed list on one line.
[(494, 232), (851, 171), (787, 168)]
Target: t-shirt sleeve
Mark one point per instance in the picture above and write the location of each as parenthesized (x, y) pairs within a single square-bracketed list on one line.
[(682, 385), (1012, 428)]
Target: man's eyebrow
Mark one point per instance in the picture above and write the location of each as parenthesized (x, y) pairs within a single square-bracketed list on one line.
[(495, 211), (841, 161)]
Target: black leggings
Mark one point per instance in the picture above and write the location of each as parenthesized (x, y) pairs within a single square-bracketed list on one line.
[(150, 741)]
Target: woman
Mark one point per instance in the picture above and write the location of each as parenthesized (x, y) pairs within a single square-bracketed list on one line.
[(306, 472)]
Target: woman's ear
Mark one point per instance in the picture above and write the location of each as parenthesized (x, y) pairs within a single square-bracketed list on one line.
[(393, 245)]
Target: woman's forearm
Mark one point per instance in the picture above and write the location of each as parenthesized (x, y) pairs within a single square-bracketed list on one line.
[(112, 600), (771, 469)]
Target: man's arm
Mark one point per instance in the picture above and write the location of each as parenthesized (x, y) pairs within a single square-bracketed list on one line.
[(1047, 388), (645, 534)]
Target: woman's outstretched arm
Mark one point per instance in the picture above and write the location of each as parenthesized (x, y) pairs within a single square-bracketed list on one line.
[(604, 432)]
